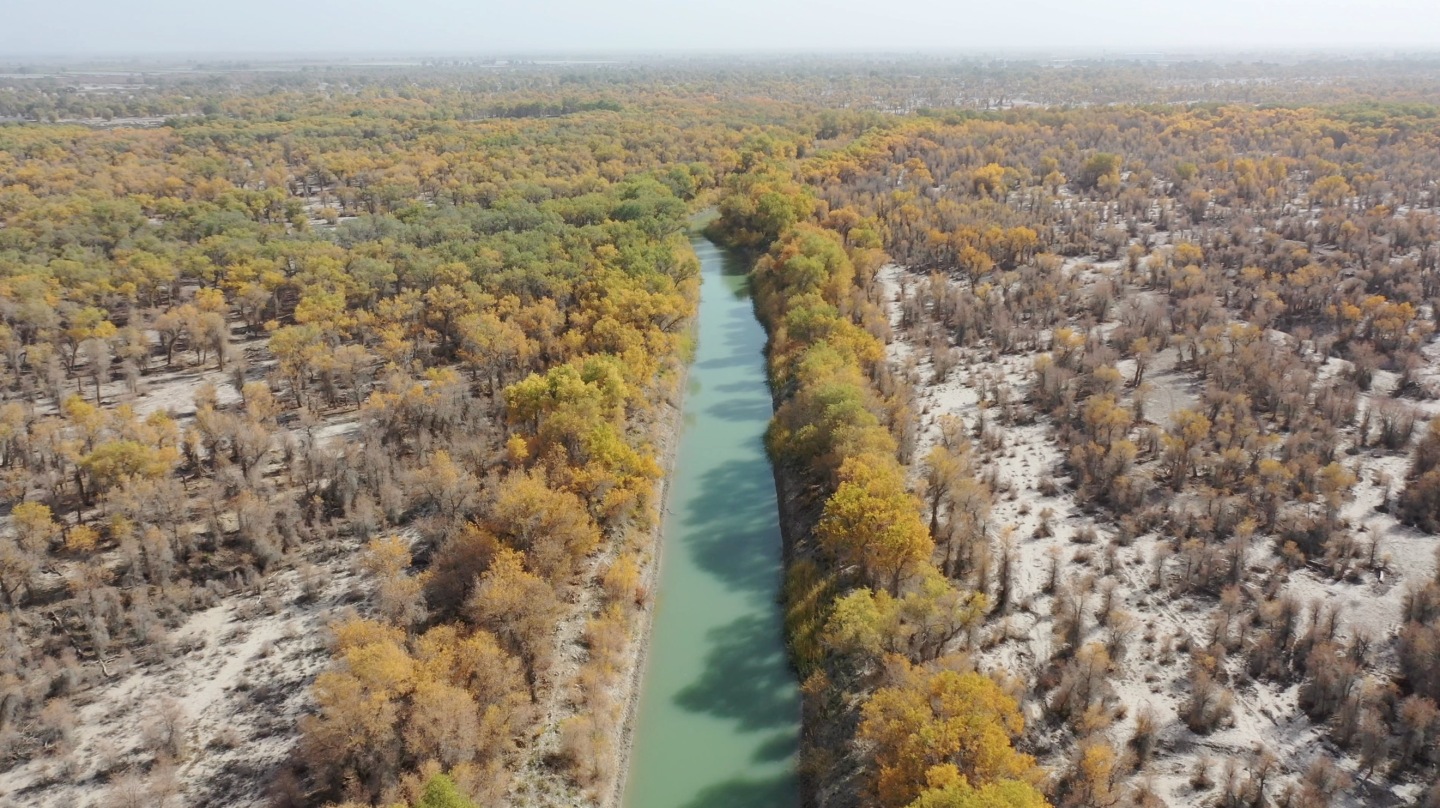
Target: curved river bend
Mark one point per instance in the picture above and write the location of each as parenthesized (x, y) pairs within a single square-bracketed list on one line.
[(719, 715)]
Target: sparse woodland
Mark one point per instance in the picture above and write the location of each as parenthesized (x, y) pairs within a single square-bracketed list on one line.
[(335, 408), (1152, 421)]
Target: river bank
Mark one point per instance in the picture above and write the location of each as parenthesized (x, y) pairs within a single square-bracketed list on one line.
[(540, 784), (716, 721), (669, 444)]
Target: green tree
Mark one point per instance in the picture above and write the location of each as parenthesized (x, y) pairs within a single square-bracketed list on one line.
[(1099, 169), (440, 792)]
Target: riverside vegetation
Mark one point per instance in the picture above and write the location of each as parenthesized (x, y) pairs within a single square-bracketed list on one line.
[(1265, 260), (334, 409)]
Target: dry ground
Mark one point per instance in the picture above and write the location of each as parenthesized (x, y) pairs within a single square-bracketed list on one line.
[(1153, 674)]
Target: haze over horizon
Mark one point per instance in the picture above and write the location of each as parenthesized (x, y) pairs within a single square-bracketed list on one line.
[(456, 27)]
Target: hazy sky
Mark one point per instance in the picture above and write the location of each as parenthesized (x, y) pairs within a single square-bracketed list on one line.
[(456, 27)]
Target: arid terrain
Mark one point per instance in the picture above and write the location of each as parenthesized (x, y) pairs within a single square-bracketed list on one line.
[(339, 403), (1041, 518)]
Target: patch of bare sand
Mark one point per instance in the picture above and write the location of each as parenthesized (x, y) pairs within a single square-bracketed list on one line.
[(1153, 674)]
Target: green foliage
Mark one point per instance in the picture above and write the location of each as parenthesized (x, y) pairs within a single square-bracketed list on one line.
[(1099, 169), (440, 792), (760, 206)]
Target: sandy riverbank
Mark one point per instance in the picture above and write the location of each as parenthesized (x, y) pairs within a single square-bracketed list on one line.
[(668, 444)]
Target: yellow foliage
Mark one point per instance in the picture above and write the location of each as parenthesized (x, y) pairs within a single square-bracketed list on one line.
[(940, 718), (81, 539), (873, 523)]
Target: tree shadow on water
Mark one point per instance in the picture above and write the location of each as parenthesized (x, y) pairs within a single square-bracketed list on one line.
[(734, 272), (731, 338), (748, 387), (782, 746), (740, 410), (779, 791), (746, 678), (732, 531), (729, 361), (733, 279)]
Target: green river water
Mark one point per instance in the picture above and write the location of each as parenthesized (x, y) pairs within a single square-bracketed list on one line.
[(719, 715)]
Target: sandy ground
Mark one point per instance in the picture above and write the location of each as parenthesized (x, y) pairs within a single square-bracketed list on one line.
[(235, 671), (1153, 675), (238, 672), (673, 422)]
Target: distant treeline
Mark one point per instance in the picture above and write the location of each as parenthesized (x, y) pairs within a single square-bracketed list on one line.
[(552, 109)]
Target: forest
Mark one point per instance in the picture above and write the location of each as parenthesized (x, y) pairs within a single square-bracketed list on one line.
[(338, 404), (1133, 424), (351, 368)]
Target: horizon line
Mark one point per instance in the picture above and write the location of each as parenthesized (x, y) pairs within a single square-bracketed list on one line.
[(1102, 53)]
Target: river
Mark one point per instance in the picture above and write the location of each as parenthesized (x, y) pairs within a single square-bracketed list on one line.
[(719, 715)]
